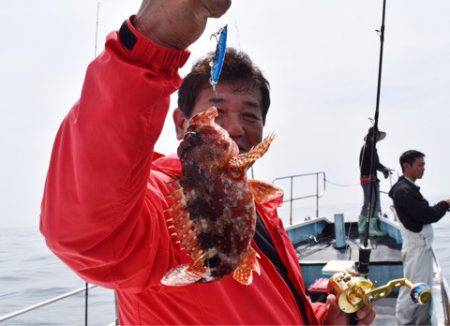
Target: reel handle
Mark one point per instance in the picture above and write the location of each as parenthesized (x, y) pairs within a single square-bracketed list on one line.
[(355, 292), (420, 292)]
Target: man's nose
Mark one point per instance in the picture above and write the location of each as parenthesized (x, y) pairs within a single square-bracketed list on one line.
[(233, 126)]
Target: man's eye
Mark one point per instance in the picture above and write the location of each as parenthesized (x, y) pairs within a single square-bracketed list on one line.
[(250, 117)]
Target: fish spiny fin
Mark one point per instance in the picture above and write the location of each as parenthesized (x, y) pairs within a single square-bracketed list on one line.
[(244, 272), (264, 192), (174, 183), (244, 161), (178, 206), (181, 228), (177, 194), (186, 232), (178, 223)]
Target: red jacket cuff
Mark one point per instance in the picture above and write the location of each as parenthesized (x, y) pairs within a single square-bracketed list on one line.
[(140, 48)]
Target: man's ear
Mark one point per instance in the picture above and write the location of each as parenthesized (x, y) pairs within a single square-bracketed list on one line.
[(180, 123), (406, 166)]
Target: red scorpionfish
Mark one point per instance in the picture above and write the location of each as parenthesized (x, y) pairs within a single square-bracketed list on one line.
[(214, 206)]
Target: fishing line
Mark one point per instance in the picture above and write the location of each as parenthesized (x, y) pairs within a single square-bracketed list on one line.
[(96, 29), (236, 29)]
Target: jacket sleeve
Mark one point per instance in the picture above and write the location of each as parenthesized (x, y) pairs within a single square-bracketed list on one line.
[(320, 310), (91, 212), (361, 159), (380, 167), (419, 209)]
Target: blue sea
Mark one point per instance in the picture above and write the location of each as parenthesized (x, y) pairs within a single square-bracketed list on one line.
[(30, 273)]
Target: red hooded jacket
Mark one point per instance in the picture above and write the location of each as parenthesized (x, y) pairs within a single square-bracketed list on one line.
[(104, 201)]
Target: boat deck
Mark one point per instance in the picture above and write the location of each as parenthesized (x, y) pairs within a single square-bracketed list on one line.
[(385, 249), (385, 262)]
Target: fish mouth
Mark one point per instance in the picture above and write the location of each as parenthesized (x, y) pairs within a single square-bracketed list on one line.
[(204, 116)]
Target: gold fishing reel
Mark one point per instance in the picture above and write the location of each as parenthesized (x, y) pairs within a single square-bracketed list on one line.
[(355, 292)]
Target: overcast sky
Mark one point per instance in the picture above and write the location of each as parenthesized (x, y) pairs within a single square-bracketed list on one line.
[(321, 58)]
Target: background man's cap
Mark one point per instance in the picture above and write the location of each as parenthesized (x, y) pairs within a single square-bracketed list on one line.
[(380, 134)]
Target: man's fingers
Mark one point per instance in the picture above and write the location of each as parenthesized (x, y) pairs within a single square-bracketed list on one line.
[(334, 315), (144, 6), (368, 320), (333, 308), (177, 23), (365, 316), (216, 8), (362, 313)]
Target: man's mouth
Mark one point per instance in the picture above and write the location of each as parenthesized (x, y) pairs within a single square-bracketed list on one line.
[(242, 148)]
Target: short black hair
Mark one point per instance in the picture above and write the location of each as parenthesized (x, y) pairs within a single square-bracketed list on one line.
[(237, 67), (410, 157)]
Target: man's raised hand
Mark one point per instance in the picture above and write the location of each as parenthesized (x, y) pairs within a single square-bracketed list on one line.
[(177, 23)]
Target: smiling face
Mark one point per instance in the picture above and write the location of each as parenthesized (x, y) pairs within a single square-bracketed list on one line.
[(240, 113)]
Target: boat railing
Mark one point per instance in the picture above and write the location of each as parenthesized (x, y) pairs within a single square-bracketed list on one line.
[(41, 304), (444, 290), (320, 177)]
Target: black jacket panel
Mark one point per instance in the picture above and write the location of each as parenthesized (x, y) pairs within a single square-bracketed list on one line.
[(412, 209), (365, 157)]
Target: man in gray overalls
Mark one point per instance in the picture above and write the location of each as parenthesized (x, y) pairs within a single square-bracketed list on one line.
[(416, 216)]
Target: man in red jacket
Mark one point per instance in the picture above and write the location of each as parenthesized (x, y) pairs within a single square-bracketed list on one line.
[(105, 200)]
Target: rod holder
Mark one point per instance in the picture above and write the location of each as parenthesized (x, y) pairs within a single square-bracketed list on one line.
[(339, 230)]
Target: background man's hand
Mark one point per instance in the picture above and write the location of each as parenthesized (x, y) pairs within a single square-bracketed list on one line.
[(177, 23), (448, 201), (386, 173), (336, 316)]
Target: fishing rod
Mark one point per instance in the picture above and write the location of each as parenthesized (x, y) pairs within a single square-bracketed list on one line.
[(364, 252)]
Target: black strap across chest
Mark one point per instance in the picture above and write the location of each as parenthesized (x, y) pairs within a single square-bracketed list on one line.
[(264, 242)]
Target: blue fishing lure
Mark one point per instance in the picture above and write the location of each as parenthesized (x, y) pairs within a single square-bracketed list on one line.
[(219, 56)]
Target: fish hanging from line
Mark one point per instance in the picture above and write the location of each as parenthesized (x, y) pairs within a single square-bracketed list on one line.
[(214, 212)]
